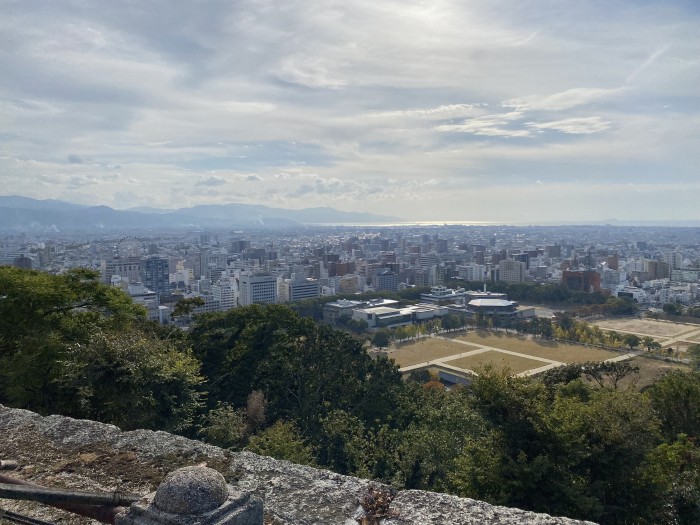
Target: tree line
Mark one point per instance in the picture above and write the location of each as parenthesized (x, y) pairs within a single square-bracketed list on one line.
[(264, 379)]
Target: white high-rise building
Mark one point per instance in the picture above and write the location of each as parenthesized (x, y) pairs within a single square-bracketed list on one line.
[(226, 291), (674, 259), (296, 290), (473, 272), (511, 271), (257, 288)]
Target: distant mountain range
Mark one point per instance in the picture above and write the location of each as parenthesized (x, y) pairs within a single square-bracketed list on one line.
[(21, 214)]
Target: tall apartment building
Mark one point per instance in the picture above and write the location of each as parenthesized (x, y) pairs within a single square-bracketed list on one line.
[(156, 274), (511, 271), (428, 259), (225, 291), (674, 260), (473, 272), (385, 279), (657, 269), (347, 284), (257, 288)]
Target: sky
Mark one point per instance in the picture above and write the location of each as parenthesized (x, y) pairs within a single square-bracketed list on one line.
[(523, 111)]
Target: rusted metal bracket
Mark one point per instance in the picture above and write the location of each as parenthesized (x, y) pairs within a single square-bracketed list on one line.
[(53, 496), (98, 506)]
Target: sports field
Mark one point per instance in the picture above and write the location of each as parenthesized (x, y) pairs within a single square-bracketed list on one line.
[(516, 364), (561, 352), (424, 350), (467, 352)]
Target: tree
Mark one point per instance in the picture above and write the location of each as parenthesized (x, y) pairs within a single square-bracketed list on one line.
[(693, 353), (381, 339), (674, 469), (564, 320), (614, 338), (673, 309), (676, 398), (35, 305), (357, 325), (305, 370), (41, 317), (185, 307), (130, 380), (224, 427), (569, 450), (282, 441), (451, 322), (608, 372), (631, 340), (647, 342)]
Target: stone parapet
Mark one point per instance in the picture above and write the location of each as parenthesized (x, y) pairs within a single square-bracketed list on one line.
[(83, 454)]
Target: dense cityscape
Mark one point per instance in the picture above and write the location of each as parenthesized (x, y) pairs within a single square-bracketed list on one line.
[(651, 265)]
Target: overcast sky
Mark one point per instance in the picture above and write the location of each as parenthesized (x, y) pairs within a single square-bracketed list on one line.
[(507, 111)]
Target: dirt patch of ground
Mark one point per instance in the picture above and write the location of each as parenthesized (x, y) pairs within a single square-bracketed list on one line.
[(562, 352), (650, 370), (645, 326), (515, 363)]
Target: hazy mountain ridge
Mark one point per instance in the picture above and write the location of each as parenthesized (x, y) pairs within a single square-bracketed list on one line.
[(25, 214)]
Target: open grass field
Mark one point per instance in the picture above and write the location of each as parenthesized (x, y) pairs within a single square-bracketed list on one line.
[(562, 352), (649, 327), (515, 363), (423, 350)]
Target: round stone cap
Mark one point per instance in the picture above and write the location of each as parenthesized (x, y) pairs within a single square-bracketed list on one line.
[(191, 490)]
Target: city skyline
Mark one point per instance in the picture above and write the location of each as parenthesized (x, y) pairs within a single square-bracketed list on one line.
[(428, 111)]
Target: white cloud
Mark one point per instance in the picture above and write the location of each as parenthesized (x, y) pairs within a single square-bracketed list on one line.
[(330, 100), (568, 99), (574, 126)]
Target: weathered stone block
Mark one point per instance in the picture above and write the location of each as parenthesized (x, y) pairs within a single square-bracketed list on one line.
[(194, 496)]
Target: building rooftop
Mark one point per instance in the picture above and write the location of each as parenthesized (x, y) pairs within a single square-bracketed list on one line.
[(491, 303)]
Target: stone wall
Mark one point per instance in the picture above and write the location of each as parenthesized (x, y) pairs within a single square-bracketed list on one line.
[(85, 455)]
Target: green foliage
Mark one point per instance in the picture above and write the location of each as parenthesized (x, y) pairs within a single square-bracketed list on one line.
[(577, 453), (130, 380), (609, 373), (41, 317), (420, 376), (185, 307), (282, 441), (631, 340), (693, 353), (304, 369), (381, 338), (357, 325), (676, 398), (224, 427), (673, 469), (344, 446), (34, 304), (673, 309)]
